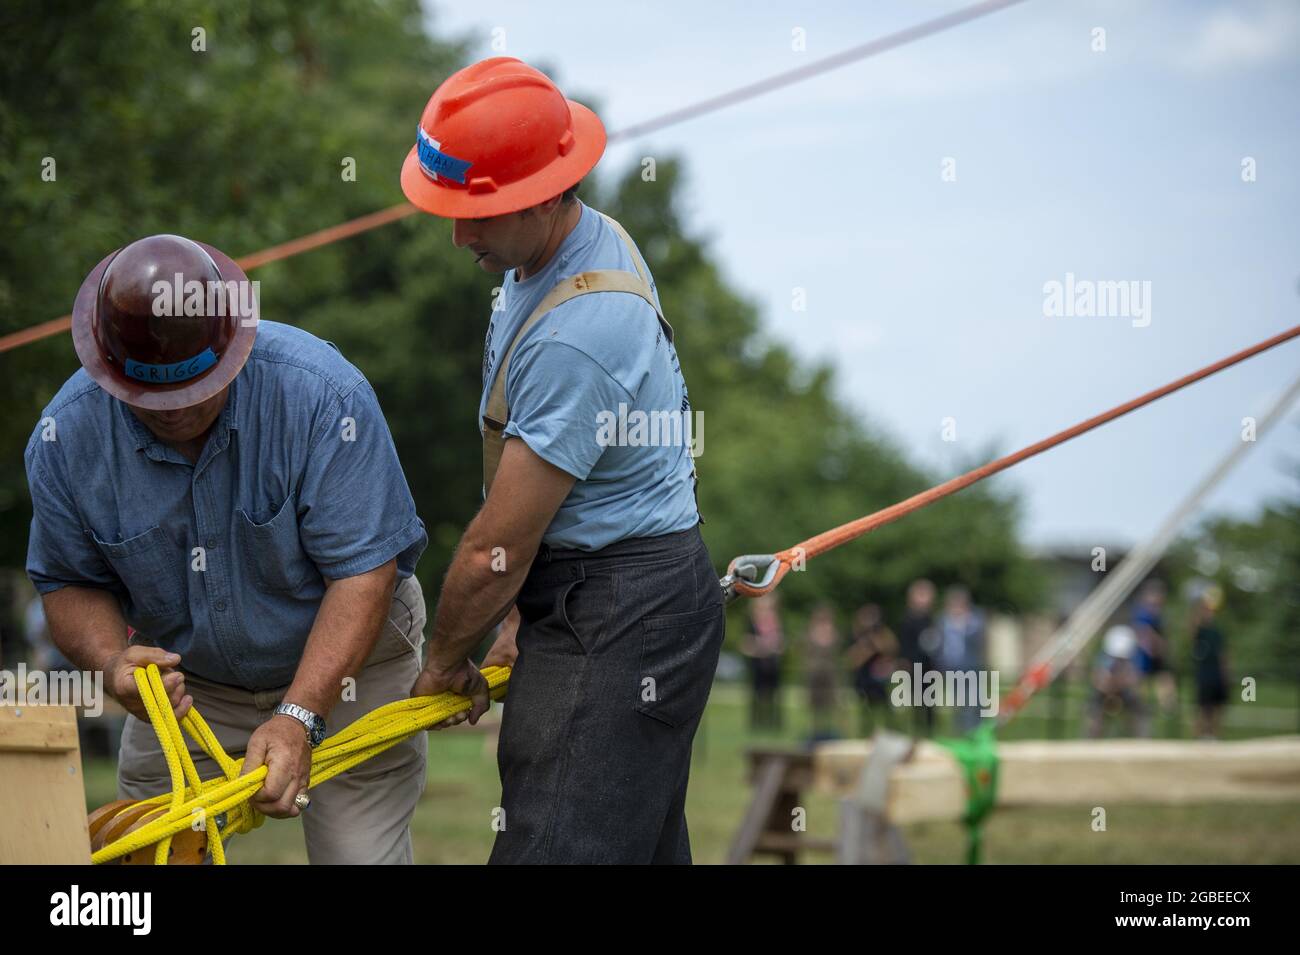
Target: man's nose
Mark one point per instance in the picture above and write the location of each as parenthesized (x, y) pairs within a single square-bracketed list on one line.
[(461, 235)]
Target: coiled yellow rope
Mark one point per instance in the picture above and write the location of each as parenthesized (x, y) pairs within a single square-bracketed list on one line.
[(193, 801)]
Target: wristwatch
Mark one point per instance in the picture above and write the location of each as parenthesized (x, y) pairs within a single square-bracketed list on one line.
[(314, 724)]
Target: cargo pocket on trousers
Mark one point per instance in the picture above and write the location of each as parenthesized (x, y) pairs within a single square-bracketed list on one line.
[(679, 656), (404, 630)]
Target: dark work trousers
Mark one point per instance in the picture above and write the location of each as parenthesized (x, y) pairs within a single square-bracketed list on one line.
[(617, 652)]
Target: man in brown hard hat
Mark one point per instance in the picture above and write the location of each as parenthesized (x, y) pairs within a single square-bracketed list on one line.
[(229, 489)]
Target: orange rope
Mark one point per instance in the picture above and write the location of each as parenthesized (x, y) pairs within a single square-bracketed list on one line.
[(854, 529), (334, 233), (35, 333), (253, 260)]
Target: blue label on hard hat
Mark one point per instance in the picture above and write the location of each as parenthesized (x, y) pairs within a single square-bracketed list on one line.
[(170, 374), (437, 163)]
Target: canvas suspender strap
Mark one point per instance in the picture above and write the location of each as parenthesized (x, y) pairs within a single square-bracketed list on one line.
[(497, 413)]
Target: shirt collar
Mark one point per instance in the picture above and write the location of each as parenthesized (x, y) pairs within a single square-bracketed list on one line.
[(230, 413), (226, 422), (143, 436)]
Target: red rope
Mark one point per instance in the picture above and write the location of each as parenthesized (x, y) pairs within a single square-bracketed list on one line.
[(854, 529), (285, 250), (335, 233)]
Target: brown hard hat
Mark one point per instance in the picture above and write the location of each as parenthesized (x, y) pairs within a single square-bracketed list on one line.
[(165, 322)]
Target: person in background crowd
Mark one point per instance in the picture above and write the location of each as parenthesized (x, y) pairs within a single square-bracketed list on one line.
[(821, 669), (44, 655), (764, 645), (1210, 659), (1115, 681), (961, 648), (918, 641), (1152, 655), (873, 655)]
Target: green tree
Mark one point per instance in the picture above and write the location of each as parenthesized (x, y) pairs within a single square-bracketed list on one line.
[(244, 144)]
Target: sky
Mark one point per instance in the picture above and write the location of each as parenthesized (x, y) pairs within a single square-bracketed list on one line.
[(924, 200)]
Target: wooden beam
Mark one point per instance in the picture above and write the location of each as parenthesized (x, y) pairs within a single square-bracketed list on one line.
[(36, 729), (1077, 772)]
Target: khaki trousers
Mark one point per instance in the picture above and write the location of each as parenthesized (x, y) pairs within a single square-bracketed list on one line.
[(362, 816)]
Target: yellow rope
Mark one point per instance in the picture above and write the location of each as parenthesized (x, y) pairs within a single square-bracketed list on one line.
[(192, 799)]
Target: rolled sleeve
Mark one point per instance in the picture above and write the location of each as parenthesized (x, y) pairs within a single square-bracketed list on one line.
[(557, 397), (59, 554), (355, 507)]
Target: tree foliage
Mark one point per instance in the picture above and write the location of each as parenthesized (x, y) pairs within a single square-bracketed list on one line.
[(242, 145)]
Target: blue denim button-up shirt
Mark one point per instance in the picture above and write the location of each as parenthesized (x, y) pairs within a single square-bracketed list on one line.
[(222, 561)]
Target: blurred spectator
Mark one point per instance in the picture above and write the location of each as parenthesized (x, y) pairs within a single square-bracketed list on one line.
[(41, 651), (873, 656), (1115, 682), (821, 666), (1152, 657), (961, 648), (1210, 659), (99, 736), (918, 642), (764, 645)]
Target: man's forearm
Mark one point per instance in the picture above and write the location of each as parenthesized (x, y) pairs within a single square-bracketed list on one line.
[(86, 624), (348, 624), (476, 596)]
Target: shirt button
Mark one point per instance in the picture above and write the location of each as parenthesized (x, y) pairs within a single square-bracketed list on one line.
[(212, 543), (220, 606)]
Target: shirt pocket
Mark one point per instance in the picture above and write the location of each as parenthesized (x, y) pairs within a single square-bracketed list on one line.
[(151, 569), (679, 656), (273, 550)]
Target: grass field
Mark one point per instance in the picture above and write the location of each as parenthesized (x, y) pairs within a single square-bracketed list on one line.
[(453, 822)]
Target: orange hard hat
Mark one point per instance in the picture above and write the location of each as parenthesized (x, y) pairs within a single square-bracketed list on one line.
[(497, 137), (165, 322)]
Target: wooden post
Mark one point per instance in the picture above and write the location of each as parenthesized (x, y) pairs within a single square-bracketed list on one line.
[(867, 837), (42, 792), (779, 777)]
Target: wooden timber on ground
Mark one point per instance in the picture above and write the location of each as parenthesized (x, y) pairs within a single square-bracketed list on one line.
[(930, 786)]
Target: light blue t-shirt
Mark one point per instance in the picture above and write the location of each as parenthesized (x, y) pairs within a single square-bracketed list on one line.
[(595, 388)]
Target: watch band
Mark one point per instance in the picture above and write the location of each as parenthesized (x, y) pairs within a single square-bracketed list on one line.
[(313, 724)]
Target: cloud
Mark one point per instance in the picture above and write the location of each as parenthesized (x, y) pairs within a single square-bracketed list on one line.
[(1243, 36)]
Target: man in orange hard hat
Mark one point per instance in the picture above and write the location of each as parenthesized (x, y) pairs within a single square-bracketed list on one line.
[(228, 488), (587, 544)]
